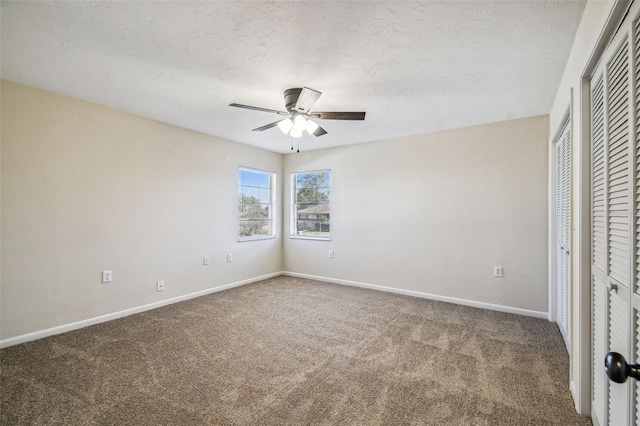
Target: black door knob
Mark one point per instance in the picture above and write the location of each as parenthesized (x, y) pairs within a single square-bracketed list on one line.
[(617, 368)]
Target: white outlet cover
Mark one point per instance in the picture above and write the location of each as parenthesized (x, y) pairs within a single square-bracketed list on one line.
[(205, 261), (107, 276)]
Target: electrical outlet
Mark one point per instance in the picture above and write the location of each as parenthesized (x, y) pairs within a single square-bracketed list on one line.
[(160, 286), (330, 254), (205, 261), (497, 271), (229, 257), (107, 276)]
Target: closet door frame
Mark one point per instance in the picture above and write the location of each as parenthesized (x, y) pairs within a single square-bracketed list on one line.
[(581, 336), (554, 255)]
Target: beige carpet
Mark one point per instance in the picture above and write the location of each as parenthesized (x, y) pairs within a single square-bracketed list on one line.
[(287, 351)]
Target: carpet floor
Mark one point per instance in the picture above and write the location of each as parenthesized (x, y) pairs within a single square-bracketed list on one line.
[(288, 351)]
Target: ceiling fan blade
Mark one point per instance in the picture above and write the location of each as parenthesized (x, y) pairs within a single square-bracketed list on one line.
[(267, 126), (339, 115), (259, 109), (306, 99), (319, 132)]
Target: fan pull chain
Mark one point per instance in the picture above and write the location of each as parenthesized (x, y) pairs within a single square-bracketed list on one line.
[(297, 141)]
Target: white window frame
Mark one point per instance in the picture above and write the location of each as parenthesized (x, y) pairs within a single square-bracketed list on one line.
[(272, 205), (294, 208)]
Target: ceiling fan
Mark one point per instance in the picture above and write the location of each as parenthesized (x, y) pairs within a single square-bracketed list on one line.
[(298, 102)]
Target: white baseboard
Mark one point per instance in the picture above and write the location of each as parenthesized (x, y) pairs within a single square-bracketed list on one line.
[(115, 315), (475, 304)]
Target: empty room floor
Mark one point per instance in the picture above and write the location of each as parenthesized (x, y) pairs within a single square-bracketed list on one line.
[(289, 351)]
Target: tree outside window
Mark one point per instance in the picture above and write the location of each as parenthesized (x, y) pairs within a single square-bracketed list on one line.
[(255, 204), (312, 213)]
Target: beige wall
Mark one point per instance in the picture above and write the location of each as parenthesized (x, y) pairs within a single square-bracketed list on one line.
[(434, 213), (87, 189)]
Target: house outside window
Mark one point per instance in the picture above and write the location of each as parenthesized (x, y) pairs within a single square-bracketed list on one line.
[(311, 195), (256, 201)]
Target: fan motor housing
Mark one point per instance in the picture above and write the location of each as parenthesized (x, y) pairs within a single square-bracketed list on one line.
[(291, 98)]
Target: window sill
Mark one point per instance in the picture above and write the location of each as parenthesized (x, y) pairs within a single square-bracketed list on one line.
[(309, 237), (256, 238)]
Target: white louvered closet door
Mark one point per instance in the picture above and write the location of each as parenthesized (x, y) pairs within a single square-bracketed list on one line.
[(562, 230), (635, 134), (615, 197)]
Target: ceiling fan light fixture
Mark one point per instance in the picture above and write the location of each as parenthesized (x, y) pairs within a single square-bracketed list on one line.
[(297, 117), (285, 125), (295, 133), (299, 123), (311, 127)]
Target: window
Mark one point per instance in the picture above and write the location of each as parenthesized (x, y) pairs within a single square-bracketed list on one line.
[(256, 198), (310, 201)]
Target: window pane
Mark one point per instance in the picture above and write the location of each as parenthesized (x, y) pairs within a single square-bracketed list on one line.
[(313, 209), (254, 211), (314, 179), (257, 179), (255, 195), (255, 203), (313, 227), (312, 197), (250, 228)]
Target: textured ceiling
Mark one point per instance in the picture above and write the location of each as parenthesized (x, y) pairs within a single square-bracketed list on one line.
[(414, 67)]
